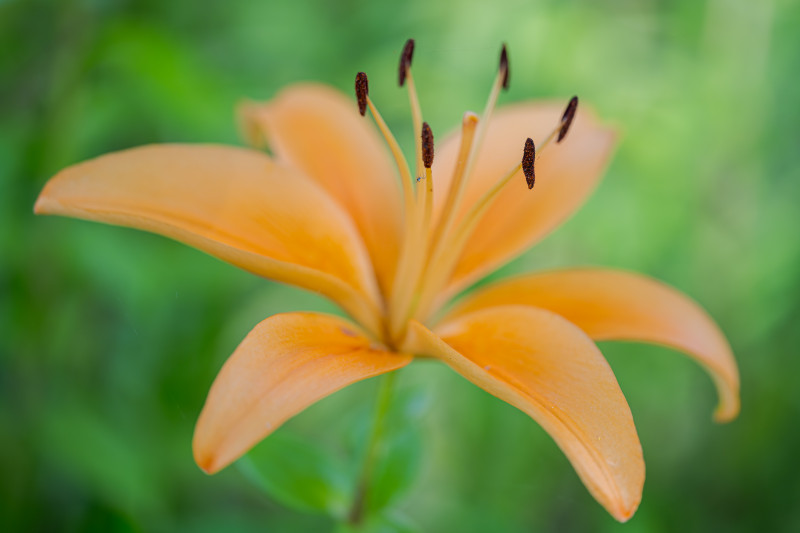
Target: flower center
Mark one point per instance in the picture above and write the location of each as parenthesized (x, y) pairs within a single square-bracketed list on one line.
[(429, 252)]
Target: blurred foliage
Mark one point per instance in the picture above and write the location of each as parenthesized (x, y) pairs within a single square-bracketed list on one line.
[(300, 474), (109, 338)]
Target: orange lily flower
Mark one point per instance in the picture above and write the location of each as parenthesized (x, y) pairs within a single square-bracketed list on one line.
[(326, 213)]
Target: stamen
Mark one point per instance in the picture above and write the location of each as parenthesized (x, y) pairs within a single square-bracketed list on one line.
[(566, 119), (405, 61), (450, 245), (364, 101), (399, 158), (448, 252), (561, 130), (362, 90), (416, 111), (457, 188), (427, 145), (412, 257), (528, 157), (410, 261), (427, 158), (528, 154), (504, 66), (500, 82), (480, 206)]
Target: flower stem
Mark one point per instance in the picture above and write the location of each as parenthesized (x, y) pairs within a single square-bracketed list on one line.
[(382, 403)]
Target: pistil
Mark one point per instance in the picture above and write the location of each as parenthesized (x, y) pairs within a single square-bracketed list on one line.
[(446, 256), (468, 125)]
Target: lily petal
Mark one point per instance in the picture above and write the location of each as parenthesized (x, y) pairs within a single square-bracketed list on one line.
[(540, 363), (236, 204), (566, 174), (319, 131), (286, 363), (616, 305)]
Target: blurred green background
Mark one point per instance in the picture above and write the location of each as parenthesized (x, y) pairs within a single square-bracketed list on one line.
[(110, 338)]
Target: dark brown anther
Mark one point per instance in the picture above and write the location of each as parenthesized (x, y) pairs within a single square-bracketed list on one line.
[(504, 66), (427, 145), (566, 119), (528, 157), (405, 61), (362, 90)]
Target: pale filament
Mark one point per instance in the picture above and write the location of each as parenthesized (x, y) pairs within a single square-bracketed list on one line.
[(443, 234), (460, 179), (416, 116), (442, 264), (468, 126), (420, 251), (412, 255), (429, 255), (399, 158)]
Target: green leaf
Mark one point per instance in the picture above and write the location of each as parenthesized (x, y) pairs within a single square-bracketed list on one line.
[(397, 522), (396, 467), (299, 474), (393, 522), (400, 452), (103, 458)]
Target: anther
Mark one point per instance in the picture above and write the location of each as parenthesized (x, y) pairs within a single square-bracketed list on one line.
[(427, 145), (504, 66), (528, 157), (362, 90), (566, 119), (405, 61)]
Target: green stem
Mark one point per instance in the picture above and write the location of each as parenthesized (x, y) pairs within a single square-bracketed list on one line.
[(356, 514)]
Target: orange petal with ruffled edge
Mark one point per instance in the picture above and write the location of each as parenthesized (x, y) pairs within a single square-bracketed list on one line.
[(542, 364), (286, 363), (236, 204), (319, 131), (566, 174), (616, 305)]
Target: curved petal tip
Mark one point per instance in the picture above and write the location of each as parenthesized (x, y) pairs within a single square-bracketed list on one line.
[(547, 367), (618, 305), (208, 462), (727, 410), (625, 512)]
